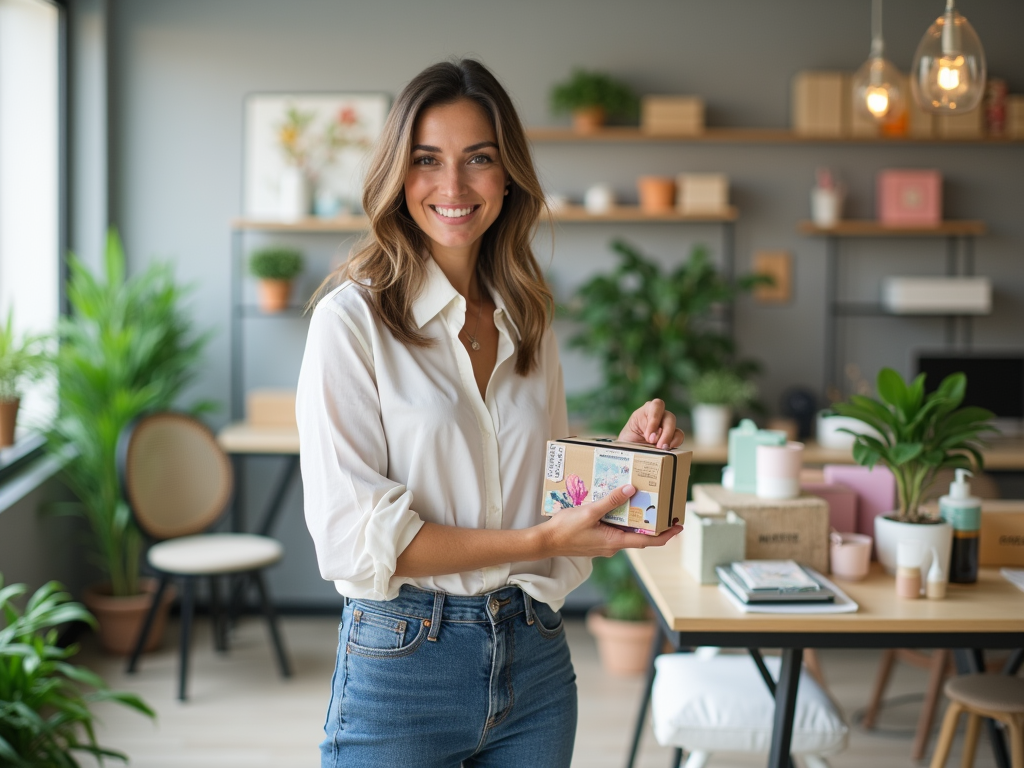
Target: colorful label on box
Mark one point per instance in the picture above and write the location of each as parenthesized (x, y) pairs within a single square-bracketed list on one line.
[(555, 463), (613, 469)]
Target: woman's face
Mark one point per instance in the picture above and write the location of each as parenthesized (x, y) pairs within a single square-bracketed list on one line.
[(455, 184)]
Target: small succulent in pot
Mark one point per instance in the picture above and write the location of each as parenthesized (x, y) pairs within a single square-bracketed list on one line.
[(591, 97), (275, 268)]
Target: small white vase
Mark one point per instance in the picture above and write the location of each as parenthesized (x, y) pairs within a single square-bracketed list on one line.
[(889, 533), (711, 423), (294, 199)]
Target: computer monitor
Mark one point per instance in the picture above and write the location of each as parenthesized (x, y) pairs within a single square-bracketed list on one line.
[(994, 381)]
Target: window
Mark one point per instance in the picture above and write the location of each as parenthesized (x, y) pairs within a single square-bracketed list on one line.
[(32, 177)]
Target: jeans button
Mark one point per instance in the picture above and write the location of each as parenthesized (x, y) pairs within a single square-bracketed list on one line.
[(493, 605)]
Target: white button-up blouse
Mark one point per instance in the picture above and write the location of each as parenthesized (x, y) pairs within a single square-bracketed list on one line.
[(392, 436)]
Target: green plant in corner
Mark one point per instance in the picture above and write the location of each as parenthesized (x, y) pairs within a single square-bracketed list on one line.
[(624, 600), (44, 699), (22, 359), (276, 264), (128, 347), (584, 90), (652, 332), (920, 434), (722, 387)]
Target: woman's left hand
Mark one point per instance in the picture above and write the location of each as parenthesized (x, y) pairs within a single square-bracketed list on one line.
[(653, 425)]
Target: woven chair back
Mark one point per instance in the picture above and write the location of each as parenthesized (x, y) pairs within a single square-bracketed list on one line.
[(176, 478)]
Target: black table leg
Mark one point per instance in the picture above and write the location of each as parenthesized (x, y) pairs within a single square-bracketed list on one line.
[(645, 698), (291, 469), (971, 661), (785, 707)]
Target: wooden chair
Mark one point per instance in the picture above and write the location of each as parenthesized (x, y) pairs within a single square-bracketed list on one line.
[(999, 697), (178, 482)]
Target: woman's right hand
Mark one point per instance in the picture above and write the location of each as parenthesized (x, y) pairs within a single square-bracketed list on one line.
[(579, 532)]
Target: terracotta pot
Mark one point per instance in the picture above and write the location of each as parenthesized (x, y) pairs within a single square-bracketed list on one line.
[(8, 418), (121, 618), (588, 119), (657, 194), (274, 294), (624, 646)]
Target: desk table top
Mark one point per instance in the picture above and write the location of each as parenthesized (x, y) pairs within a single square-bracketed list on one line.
[(993, 604), (242, 437)]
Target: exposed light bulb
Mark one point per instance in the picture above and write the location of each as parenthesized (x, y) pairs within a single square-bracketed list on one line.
[(877, 101), (948, 72), (876, 89)]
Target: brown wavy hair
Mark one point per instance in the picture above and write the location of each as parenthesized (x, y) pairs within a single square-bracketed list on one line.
[(388, 263)]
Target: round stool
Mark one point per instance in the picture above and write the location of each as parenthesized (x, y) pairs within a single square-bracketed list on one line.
[(996, 696)]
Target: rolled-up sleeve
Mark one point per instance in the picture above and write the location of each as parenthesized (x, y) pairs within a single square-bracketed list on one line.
[(360, 520)]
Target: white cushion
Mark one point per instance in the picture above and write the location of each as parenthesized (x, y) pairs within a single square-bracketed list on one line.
[(210, 553), (721, 704)]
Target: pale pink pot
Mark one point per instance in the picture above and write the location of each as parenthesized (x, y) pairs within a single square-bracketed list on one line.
[(778, 470), (851, 556)]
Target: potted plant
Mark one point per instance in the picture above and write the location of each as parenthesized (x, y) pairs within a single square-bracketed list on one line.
[(714, 395), (918, 435), (622, 626), (275, 268), (127, 348), (45, 701), (652, 332), (21, 360), (591, 97)]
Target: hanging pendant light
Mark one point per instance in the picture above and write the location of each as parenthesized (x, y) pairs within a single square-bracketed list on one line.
[(877, 93), (948, 73)]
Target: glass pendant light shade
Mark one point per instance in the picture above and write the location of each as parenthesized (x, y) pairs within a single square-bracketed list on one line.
[(877, 90), (948, 72)]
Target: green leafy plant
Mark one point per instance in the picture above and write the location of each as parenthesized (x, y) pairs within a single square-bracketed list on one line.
[(45, 700), (722, 387), (652, 332), (919, 434), (22, 359), (276, 264), (593, 89), (127, 348), (624, 600)]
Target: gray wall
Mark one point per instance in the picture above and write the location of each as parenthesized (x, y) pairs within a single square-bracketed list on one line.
[(181, 70)]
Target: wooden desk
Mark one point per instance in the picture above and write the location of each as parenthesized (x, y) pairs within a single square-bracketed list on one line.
[(240, 440), (989, 614), (1002, 454)]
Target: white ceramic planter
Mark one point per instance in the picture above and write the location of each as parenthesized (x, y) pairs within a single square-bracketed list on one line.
[(294, 201), (888, 534), (711, 424), (829, 436)]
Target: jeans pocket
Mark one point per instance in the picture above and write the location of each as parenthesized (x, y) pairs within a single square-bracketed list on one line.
[(380, 635), (547, 621)]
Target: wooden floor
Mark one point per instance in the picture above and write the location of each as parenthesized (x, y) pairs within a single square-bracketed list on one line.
[(241, 714)]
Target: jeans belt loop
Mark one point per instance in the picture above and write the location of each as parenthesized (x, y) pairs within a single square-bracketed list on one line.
[(528, 602), (435, 619)]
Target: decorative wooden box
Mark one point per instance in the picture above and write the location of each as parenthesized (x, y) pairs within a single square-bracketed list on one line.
[(777, 529), (672, 115)]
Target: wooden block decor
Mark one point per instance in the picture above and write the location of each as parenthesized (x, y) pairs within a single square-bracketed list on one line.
[(702, 192), (818, 104), (672, 115), (1015, 117), (778, 265), (777, 529), (969, 125), (270, 407)]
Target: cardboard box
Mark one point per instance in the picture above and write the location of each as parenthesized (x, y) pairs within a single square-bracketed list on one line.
[(969, 125), (1002, 534), (582, 470), (702, 192), (710, 539), (270, 407), (909, 198), (776, 529), (672, 115), (818, 104), (1015, 117)]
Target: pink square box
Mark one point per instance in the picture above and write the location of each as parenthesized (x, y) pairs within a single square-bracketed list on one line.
[(875, 488), (842, 504), (910, 198)]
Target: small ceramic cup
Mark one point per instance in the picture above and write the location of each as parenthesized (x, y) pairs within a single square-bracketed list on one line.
[(850, 555), (778, 470)]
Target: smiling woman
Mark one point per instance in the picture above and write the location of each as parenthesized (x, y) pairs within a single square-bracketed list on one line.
[(429, 387)]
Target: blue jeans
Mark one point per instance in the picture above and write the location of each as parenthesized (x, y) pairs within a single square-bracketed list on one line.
[(438, 681)]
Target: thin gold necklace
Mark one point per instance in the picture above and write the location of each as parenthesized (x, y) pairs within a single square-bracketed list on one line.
[(473, 343)]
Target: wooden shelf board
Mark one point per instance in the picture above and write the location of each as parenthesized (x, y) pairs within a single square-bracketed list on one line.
[(632, 213), (310, 224), (871, 228), (744, 136)]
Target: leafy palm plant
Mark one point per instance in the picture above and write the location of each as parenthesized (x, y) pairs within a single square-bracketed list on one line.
[(653, 332), (21, 360), (44, 700), (919, 434), (127, 348)]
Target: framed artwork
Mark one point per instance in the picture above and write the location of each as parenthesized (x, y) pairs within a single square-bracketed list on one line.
[(306, 152)]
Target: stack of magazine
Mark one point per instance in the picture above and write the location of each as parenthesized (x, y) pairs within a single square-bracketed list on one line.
[(773, 581)]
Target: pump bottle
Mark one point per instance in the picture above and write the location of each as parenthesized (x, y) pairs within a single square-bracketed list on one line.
[(963, 512)]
